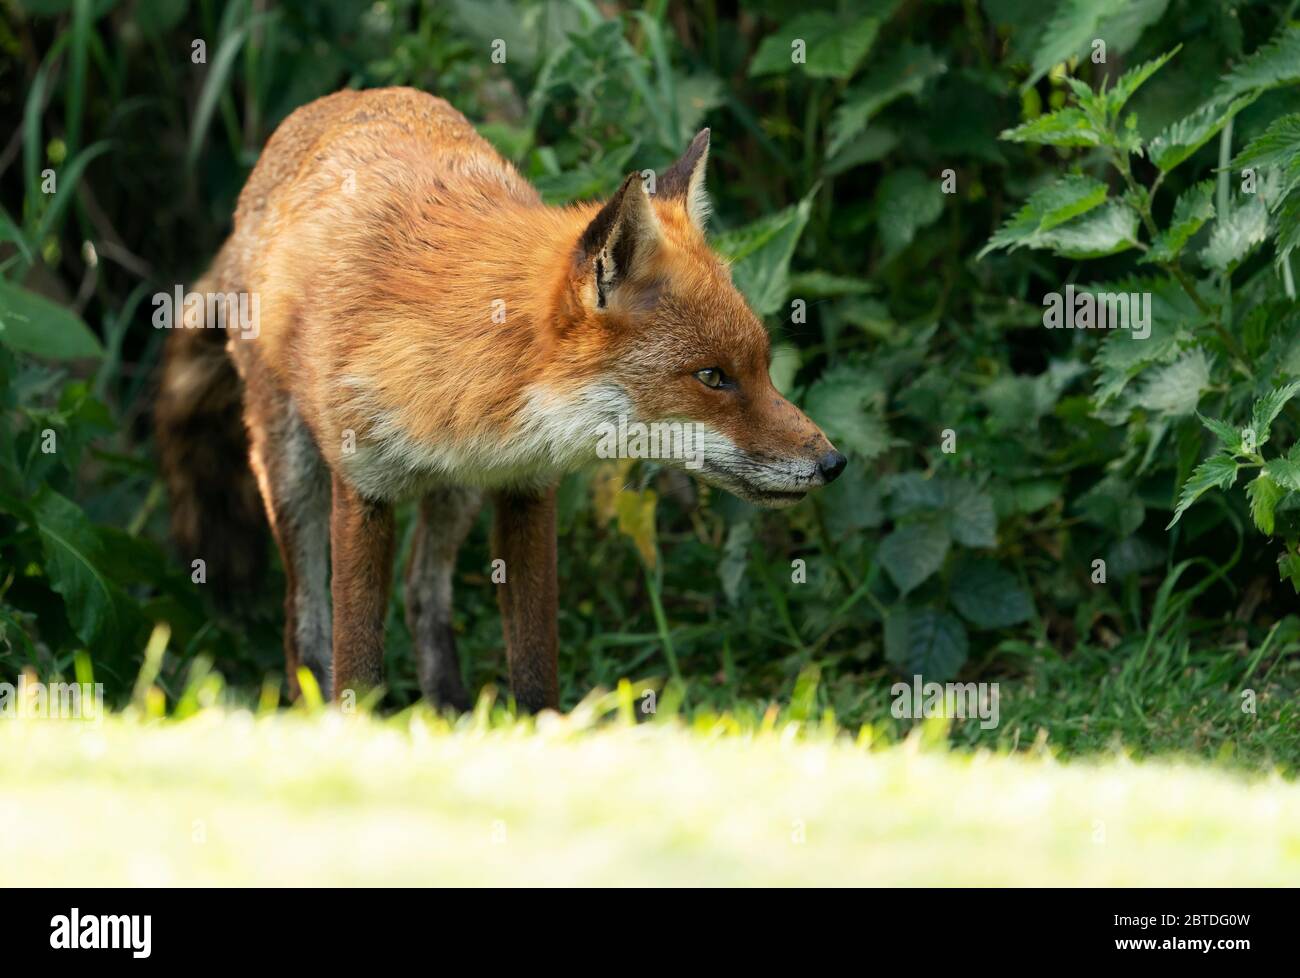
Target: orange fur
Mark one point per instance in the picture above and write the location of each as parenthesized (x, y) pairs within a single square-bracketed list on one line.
[(427, 323)]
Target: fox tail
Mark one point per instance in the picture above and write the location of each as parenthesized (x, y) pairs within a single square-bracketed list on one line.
[(216, 513)]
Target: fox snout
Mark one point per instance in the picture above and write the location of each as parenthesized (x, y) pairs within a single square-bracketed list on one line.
[(774, 457), (831, 465)]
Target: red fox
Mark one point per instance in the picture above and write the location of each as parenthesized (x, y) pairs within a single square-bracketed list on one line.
[(429, 329)]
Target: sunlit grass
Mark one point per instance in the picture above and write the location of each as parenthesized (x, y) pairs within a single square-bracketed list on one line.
[(230, 796)]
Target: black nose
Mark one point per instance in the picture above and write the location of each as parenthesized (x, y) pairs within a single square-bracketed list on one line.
[(831, 465)]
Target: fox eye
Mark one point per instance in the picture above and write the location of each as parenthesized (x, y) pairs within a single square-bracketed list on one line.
[(711, 377)]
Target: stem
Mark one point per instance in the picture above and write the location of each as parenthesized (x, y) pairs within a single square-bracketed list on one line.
[(1224, 204), (1190, 288), (1143, 203), (661, 621), (151, 501)]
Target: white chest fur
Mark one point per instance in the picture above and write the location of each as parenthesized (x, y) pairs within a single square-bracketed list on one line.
[(552, 434)]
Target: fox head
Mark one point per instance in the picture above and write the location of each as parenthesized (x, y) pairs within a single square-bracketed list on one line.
[(653, 310)]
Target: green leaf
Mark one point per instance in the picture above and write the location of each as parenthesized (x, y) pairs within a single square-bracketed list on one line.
[(833, 46), (72, 558), (1175, 390), (11, 632), (867, 147), (9, 231), (1049, 207), (972, 519), (1079, 22), (1181, 139), (1083, 93), (1132, 555), (988, 596), (696, 96), (530, 32), (907, 200), (1064, 127), (760, 255), (1105, 231), (1067, 199), (33, 109), (1234, 238), (68, 178), (785, 365), (912, 492), (1114, 505), (32, 324), (1276, 63), (1195, 206), (1278, 145), (1030, 496), (511, 141), (924, 642), (1288, 234), (593, 179), (735, 559), (1229, 437), (1285, 472), (1288, 566), (214, 82), (913, 552), (852, 502), (1217, 471), (1268, 407), (967, 511), (847, 413), (1133, 79), (1264, 494), (902, 73), (818, 284), (1120, 359)]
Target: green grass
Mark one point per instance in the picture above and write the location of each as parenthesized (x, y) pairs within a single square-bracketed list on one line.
[(229, 796), (1169, 701)]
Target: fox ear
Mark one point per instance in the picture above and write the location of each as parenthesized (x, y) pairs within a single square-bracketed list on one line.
[(684, 180), (620, 238)]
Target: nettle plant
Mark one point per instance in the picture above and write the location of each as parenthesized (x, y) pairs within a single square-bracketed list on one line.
[(1223, 321)]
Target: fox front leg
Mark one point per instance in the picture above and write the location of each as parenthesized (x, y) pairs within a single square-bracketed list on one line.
[(523, 535)]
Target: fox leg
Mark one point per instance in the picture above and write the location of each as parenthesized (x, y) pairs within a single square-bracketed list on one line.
[(295, 488), (361, 551), (523, 535), (445, 519)]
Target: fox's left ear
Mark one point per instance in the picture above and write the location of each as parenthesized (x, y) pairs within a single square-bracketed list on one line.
[(619, 241), (684, 180)]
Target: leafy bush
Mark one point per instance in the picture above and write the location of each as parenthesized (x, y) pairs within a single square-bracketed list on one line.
[(1207, 343)]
